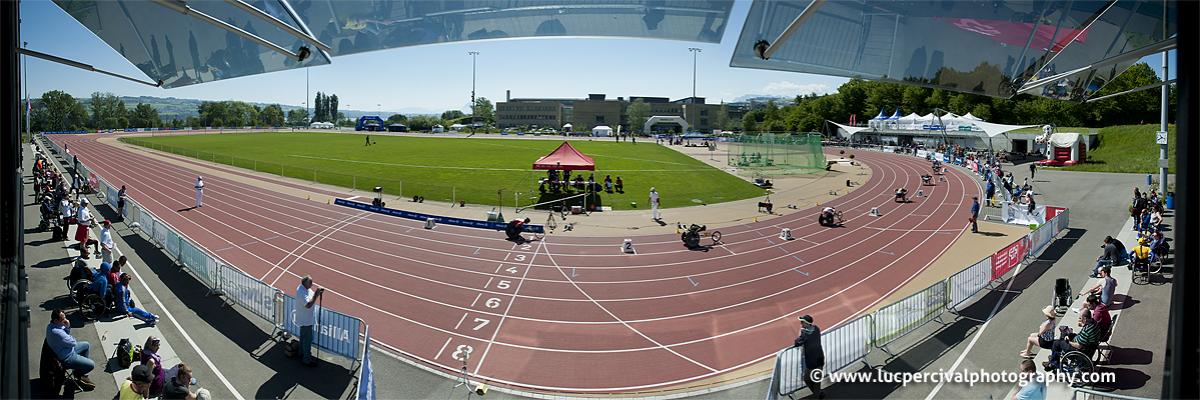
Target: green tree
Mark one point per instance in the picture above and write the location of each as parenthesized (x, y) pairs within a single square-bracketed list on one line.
[(108, 111), (749, 122), (483, 109), (297, 117), (422, 122), (723, 121), (451, 115), (401, 119), (638, 112), (271, 115), (1127, 109), (331, 104), (320, 113), (144, 116), (58, 111)]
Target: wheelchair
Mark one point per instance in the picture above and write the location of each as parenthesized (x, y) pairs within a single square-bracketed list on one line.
[(1142, 269), (1063, 296), (79, 289), (692, 235), (1077, 362)]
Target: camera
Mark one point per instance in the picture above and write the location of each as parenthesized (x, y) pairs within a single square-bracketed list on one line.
[(760, 49)]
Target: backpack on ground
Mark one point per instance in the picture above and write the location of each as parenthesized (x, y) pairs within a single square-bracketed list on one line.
[(126, 353)]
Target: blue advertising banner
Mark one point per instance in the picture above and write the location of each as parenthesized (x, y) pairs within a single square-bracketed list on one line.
[(335, 332), (470, 223), (366, 378)]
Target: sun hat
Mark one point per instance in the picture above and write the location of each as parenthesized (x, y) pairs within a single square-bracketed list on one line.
[(806, 318), (1049, 311)]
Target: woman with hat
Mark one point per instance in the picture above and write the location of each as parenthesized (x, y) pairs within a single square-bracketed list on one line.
[(151, 359), (1044, 337)]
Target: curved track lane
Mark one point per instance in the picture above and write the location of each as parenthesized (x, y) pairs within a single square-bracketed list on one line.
[(567, 313)]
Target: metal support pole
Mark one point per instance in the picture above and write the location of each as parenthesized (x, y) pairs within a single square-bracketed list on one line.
[(14, 310), (1180, 362), (1162, 128)]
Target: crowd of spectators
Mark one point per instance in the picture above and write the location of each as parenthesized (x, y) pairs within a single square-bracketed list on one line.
[(561, 182)]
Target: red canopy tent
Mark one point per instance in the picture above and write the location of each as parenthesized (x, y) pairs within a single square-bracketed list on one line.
[(567, 158)]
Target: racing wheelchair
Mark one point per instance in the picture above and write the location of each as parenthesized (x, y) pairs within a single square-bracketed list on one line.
[(692, 234), (831, 218)]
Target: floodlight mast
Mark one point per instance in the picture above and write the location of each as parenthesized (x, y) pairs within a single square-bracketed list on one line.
[(473, 54)]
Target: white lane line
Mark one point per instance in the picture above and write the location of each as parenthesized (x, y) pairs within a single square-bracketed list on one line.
[(614, 316), (489, 282), (460, 321), (513, 299), (978, 333), (476, 299), (443, 349), (320, 237)]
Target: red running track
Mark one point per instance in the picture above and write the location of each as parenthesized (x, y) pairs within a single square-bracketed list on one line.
[(569, 314)]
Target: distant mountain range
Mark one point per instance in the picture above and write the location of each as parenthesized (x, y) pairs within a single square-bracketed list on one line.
[(172, 108)]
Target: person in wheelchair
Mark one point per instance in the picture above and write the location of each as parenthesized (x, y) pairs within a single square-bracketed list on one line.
[(691, 235), (1084, 342), (901, 195), (1141, 256), (926, 179), (514, 229), (830, 217)]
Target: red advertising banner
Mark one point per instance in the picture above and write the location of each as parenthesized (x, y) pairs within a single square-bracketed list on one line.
[(1008, 258), (1052, 211)]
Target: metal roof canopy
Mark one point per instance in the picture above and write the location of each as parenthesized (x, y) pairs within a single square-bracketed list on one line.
[(994, 48), (180, 43)]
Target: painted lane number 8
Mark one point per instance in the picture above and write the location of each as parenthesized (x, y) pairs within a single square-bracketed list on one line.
[(462, 352)]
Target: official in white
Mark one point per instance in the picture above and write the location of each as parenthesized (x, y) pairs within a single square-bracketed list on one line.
[(199, 191), (654, 204)]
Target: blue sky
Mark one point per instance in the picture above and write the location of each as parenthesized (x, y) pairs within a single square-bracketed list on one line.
[(434, 78)]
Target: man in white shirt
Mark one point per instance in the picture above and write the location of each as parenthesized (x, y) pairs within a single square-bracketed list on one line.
[(199, 192), (654, 204), (305, 309), (107, 246)]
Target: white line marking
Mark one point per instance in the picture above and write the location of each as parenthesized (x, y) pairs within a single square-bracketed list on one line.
[(460, 320), (797, 269), (978, 333), (513, 299), (476, 299), (614, 316), (498, 267), (694, 283), (439, 353), (489, 282), (320, 238)]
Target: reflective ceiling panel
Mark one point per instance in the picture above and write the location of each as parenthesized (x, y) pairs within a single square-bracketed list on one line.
[(355, 26), (1128, 27), (180, 50), (982, 47)]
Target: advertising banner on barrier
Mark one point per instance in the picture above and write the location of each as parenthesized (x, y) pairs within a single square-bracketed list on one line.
[(254, 295), (366, 378), (1004, 260), (922, 153), (335, 332), (1053, 211), (906, 315), (470, 223), (969, 281), (1041, 237)]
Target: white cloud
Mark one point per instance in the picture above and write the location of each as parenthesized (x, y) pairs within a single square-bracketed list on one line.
[(789, 88)]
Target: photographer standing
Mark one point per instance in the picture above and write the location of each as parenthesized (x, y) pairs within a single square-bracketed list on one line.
[(809, 343), (306, 300)]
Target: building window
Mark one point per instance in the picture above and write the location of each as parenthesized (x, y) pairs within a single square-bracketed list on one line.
[(600, 118), (703, 113), (703, 121)]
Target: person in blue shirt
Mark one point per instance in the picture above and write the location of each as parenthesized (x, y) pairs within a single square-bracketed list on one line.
[(100, 281), (125, 304), (74, 355), (990, 192), (975, 214)]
